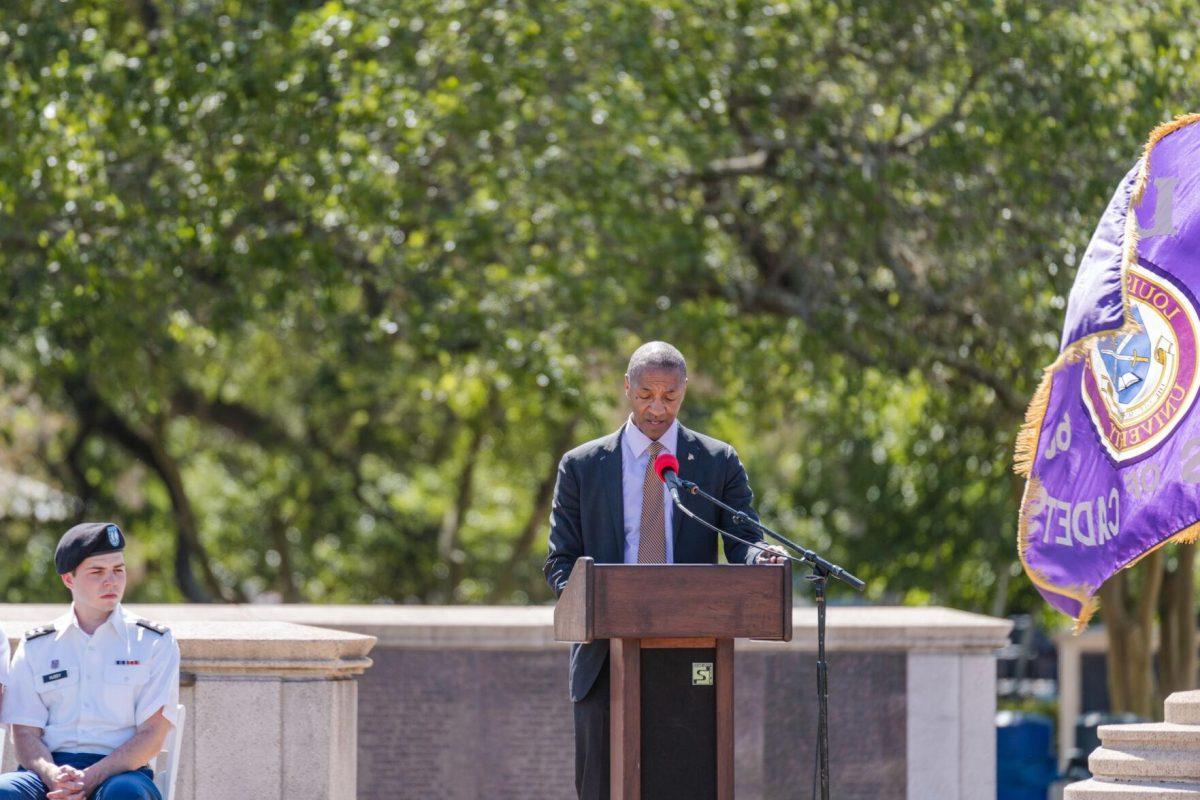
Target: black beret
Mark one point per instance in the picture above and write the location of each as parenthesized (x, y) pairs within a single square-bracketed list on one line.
[(85, 540)]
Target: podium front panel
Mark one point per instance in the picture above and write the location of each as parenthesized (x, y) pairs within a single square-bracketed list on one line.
[(679, 724)]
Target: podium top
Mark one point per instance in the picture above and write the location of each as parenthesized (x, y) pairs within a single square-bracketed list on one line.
[(635, 601)]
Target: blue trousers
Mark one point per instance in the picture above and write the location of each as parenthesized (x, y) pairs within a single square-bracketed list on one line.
[(136, 785)]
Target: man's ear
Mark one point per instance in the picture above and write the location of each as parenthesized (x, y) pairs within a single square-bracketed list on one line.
[(68, 580)]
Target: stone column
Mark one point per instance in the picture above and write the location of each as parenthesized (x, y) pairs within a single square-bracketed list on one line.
[(272, 708), (1147, 761)]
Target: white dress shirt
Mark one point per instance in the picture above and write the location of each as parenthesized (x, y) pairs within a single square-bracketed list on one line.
[(87, 693), (635, 455)]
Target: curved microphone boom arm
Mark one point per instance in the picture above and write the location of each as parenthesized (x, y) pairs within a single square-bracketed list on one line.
[(666, 466), (815, 561), (756, 545)]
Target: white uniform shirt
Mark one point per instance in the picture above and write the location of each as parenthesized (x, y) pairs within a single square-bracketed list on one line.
[(87, 693)]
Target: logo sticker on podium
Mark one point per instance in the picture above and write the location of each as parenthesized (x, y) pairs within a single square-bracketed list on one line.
[(702, 673)]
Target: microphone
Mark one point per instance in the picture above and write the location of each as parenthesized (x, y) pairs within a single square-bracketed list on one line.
[(666, 467)]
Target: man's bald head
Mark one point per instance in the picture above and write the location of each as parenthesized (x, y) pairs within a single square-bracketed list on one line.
[(661, 356)]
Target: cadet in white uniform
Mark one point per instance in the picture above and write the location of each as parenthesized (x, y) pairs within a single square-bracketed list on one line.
[(92, 695)]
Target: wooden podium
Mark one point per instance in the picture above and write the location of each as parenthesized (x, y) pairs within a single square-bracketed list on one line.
[(671, 629)]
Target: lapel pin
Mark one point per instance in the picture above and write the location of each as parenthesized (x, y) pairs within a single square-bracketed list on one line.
[(691, 456)]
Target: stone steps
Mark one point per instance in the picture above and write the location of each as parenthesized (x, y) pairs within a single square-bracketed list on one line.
[(1151, 734), (1183, 708), (1098, 789), (1147, 761), (1150, 761)]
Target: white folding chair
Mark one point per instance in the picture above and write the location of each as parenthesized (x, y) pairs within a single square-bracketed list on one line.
[(166, 763)]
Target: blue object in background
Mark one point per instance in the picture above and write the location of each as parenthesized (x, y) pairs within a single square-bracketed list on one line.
[(1024, 759)]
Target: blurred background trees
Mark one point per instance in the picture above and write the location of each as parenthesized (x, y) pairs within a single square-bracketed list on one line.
[(312, 296)]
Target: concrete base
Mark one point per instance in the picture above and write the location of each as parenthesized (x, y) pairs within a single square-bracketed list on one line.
[(1183, 708), (471, 703), (489, 685), (1147, 761), (272, 706), (1105, 790)]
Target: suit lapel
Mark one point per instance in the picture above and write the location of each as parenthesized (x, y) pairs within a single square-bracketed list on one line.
[(614, 498), (686, 449)]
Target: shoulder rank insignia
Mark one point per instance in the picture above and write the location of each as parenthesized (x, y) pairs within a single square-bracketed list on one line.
[(35, 633), (152, 626)]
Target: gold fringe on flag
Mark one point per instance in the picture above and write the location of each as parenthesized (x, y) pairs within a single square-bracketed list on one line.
[(1026, 447)]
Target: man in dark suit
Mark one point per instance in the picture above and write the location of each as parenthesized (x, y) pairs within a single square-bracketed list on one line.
[(609, 504)]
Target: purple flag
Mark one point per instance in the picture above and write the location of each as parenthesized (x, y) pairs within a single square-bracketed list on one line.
[(1111, 442)]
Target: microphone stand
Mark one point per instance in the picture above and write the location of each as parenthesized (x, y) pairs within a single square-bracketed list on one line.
[(756, 545), (822, 571)]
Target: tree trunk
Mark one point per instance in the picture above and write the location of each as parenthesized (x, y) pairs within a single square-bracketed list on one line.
[(543, 497), (1131, 685), (189, 532), (74, 458), (1000, 598), (287, 574), (449, 552), (1177, 642), (149, 449)]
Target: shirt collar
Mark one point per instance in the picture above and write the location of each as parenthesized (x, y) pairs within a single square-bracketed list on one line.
[(65, 622), (638, 442), (69, 620), (117, 619)]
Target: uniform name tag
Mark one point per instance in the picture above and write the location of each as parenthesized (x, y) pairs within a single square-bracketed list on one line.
[(54, 676), (128, 663)]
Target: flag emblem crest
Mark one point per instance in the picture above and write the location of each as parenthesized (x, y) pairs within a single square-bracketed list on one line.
[(1138, 385), (1126, 365)]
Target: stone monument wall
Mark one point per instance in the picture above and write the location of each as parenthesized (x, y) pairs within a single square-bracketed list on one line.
[(471, 702), (474, 701)]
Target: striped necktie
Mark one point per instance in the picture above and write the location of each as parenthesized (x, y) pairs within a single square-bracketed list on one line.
[(652, 544)]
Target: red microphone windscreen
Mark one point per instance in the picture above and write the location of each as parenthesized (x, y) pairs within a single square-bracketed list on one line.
[(665, 461)]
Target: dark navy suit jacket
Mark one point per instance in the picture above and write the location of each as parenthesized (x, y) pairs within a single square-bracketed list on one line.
[(587, 519)]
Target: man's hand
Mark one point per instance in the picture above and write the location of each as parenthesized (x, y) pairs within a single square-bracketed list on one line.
[(66, 783), (146, 742), (92, 778), (774, 554), (67, 794)]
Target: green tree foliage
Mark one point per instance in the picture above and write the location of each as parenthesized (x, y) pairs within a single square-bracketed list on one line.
[(312, 296)]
